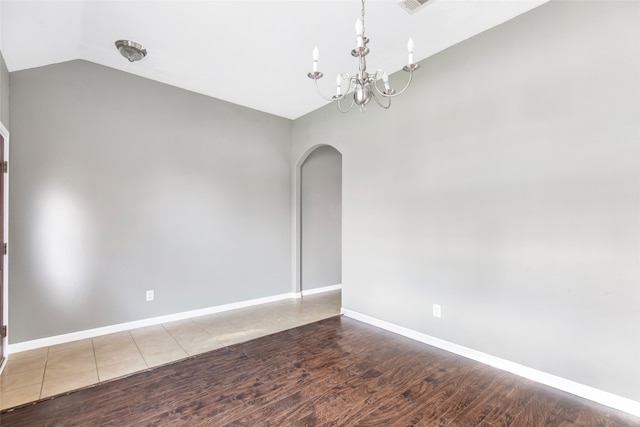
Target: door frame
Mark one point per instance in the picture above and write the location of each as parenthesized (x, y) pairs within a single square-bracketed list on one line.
[(5, 271)]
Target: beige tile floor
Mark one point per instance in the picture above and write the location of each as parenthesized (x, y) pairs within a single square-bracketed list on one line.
[(44, 372)]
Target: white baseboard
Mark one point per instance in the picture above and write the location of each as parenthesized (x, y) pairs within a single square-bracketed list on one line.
[(605, 398), (91, 333), (314, 291)]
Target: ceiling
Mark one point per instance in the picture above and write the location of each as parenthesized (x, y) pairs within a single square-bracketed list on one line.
[(252, 53)]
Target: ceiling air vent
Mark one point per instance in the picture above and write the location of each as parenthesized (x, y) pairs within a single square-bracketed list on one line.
[(412, 6)]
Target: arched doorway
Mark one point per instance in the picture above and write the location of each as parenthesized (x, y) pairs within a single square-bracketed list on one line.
[(320, 220)]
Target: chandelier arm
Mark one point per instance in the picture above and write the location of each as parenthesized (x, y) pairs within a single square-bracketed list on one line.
[(348, 109), (401, 90), (351, 83), (327, 98), (374, 83), (375, 98)]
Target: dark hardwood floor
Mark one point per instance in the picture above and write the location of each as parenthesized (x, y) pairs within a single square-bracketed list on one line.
[(336, 372)]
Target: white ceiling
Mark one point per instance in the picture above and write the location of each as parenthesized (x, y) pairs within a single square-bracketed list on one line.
[(252, 53)]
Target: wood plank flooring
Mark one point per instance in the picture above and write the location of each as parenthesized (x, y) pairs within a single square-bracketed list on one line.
[(336, 372)]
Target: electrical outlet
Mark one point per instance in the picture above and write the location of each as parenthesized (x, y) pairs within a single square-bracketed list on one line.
[(436, 310), (150, 295)]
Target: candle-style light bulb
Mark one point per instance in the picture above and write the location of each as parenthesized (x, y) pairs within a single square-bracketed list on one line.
[(359, 32), (359, 27), (385, 80), (410, 46), (316, 56), (338, 84)]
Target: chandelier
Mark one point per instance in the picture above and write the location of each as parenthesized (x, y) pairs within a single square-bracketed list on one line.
[(364, 85)]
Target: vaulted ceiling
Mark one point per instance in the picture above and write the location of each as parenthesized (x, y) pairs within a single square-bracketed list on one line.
[(252, 53)]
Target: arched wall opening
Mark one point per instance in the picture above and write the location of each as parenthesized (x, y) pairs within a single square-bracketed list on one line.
[(318, 214)]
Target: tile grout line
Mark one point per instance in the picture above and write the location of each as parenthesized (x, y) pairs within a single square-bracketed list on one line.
[(176, 341), (138, 348), (95, 360), (207, 332), (214, 337), (44, 372), (197, 325)]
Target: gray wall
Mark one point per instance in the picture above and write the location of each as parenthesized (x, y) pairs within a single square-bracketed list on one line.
[(120, 184), (321, 219), (504, 186), (4, 93)]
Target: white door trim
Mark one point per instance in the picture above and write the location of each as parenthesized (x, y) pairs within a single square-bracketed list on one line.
[(5, 272)]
